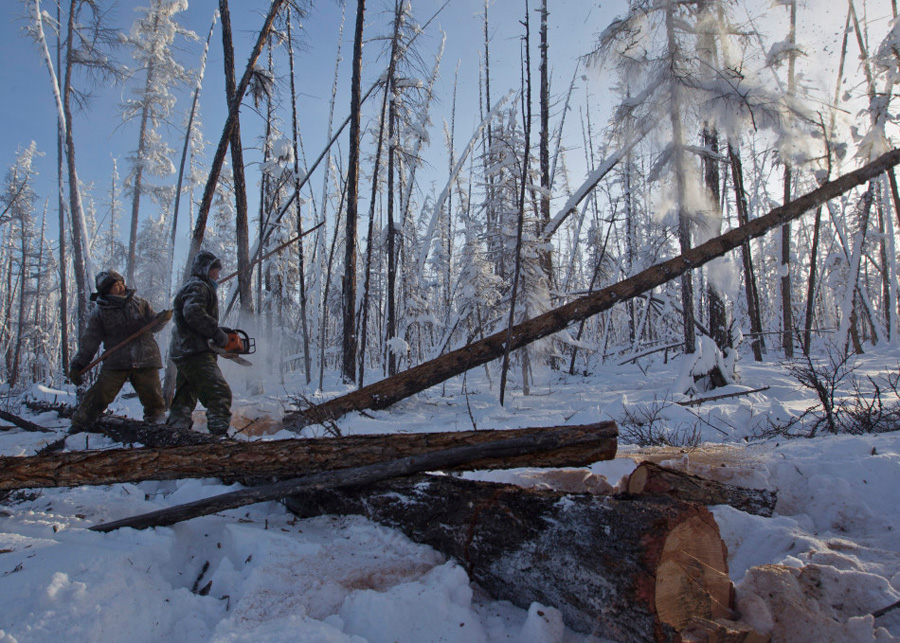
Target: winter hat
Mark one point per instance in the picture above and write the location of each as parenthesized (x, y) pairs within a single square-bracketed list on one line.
[(105, 279)]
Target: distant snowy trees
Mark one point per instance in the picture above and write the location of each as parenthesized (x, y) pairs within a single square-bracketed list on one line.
[(151, 42), (531, 195)]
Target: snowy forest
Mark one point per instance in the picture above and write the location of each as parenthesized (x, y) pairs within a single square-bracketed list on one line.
[(411, 233), (574, 322)]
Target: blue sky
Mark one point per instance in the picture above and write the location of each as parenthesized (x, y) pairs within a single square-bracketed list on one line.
[(28, 113)]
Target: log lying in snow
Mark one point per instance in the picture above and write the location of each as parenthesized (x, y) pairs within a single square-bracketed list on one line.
[(381, 395), (651, 478), (577, 445), (631, 568), (502, 449)]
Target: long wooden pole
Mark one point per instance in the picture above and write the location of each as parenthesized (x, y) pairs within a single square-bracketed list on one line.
[(157, 321)]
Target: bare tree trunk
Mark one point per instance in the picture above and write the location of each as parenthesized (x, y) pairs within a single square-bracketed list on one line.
[(237, 164), (61, 204), (348, 281), (184, 153), (301, 267), (80, 251), (520, 222), (753, 312), (546, 257), (24, 270), (216, 167), (718, 319), (787, 315), (385, 393), (811, 287), (386, 115), (684, 225), (36, 342)]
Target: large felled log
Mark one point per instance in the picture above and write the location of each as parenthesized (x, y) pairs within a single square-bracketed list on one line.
[(631, 569), (651, 478), (500, 450), (540, 447), (380, 395)]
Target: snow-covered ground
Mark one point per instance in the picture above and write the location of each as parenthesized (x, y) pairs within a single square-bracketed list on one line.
[(260, 574)]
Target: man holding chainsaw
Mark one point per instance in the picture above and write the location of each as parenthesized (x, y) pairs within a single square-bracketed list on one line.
[(197, 330), (117, 316)]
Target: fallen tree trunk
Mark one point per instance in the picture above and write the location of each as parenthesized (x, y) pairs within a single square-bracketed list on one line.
[(631, 569), (653, 479), (500, 451), (383, 394), (540, 447), (22, 423)]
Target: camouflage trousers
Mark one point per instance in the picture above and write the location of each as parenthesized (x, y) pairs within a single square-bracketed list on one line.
[(200, 378), (110, 381)]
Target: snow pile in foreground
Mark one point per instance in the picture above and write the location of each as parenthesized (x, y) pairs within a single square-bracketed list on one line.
[(829, 557)]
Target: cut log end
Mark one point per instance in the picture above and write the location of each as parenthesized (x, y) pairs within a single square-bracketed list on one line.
[(629, 568), (692, 576)]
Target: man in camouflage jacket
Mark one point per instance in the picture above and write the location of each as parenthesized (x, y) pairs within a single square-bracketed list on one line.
[(196, 314), (116, 315)]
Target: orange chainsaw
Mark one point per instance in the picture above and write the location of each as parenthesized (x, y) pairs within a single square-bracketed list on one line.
[(239, 343)]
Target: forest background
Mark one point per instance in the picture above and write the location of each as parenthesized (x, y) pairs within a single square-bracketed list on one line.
[(631, 138)]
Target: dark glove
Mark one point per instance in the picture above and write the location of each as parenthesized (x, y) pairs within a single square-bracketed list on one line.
[(75, 376), (220, 338)]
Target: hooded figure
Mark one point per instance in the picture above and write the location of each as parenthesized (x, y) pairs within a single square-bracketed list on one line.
[(196, 315), (117, 314)]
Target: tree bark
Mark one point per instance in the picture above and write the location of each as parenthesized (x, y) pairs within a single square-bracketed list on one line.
[(348, 285), (630, 569), (502, 451), (301, 268), (237, 164), (752, 294), (653, 479), (540, 447), (61, 204), (383, 394)]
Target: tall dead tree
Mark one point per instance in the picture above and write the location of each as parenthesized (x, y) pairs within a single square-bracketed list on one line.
[(787, 316), (61, 206), (219, 157), (301, 267), (757, 341), (348, 281), (237, 164), (385, 393)]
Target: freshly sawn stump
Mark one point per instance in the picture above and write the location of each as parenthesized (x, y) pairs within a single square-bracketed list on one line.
[(651, 478), (628, 568)]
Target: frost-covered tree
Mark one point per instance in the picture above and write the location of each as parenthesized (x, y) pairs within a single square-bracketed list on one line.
[(153, 259), (17, 201), (158, 73), (112, 249), (682, 82)]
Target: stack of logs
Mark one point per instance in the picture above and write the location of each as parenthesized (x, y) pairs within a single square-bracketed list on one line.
[(647, 564)]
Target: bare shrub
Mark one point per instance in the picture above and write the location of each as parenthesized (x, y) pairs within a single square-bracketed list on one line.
[(643, 424)]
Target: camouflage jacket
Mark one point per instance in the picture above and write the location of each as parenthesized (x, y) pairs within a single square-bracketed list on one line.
[(196, 312), (113, 319)]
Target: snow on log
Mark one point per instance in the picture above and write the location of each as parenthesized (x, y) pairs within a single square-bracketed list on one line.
[(576, 445), (651, 478), (634, 568)]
